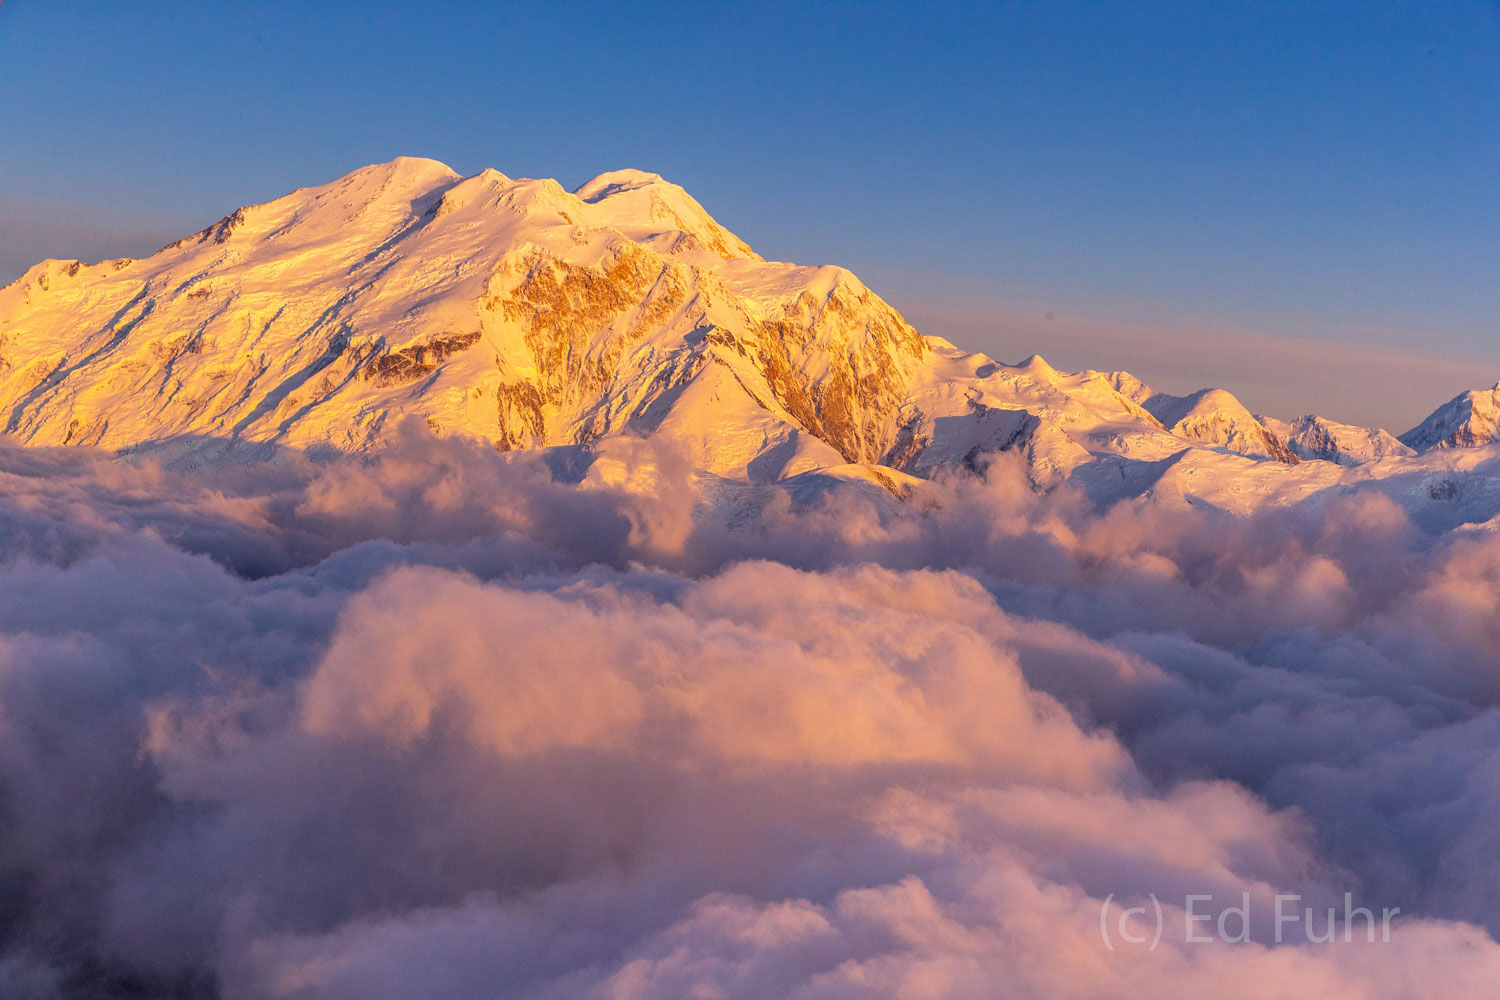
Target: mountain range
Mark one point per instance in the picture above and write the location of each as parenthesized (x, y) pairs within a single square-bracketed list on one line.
[(586, 322)]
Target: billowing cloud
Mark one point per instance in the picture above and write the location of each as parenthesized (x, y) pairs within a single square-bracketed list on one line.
[(445, 723)]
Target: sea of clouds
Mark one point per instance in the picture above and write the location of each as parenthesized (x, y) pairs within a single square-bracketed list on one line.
[(439, 724)]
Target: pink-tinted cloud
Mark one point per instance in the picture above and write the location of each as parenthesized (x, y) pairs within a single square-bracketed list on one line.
[(443, 723)]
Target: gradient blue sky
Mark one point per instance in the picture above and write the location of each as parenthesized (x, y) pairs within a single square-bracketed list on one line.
[(1297, 201)]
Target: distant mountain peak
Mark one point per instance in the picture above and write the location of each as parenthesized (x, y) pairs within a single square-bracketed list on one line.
[(1212, 416), (1037, 365), (1315, 437), (1465, 421)]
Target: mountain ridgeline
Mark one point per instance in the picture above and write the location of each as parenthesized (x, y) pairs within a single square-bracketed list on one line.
[(528, 316)]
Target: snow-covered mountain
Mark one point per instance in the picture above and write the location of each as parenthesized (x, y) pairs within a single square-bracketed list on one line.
[(1467, 420), (1314, 437), (511, 310), (517, 312), (1212, 416)]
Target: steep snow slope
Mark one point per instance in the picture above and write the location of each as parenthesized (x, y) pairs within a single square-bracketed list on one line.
[(1314, 437), (1467, 420)]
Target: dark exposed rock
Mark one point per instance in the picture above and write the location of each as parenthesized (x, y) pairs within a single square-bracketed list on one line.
[(412, 362)]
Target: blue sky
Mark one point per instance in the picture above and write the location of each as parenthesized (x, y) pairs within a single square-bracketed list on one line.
[(1206, 193)]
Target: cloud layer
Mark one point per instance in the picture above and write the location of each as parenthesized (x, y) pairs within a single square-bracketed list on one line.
[(443, 724)]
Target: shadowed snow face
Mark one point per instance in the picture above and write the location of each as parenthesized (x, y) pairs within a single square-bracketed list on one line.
[(439, 725)]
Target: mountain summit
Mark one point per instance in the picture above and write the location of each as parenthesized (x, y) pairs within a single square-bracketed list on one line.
[(511, 310), (1467, 420), (520, 313)]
